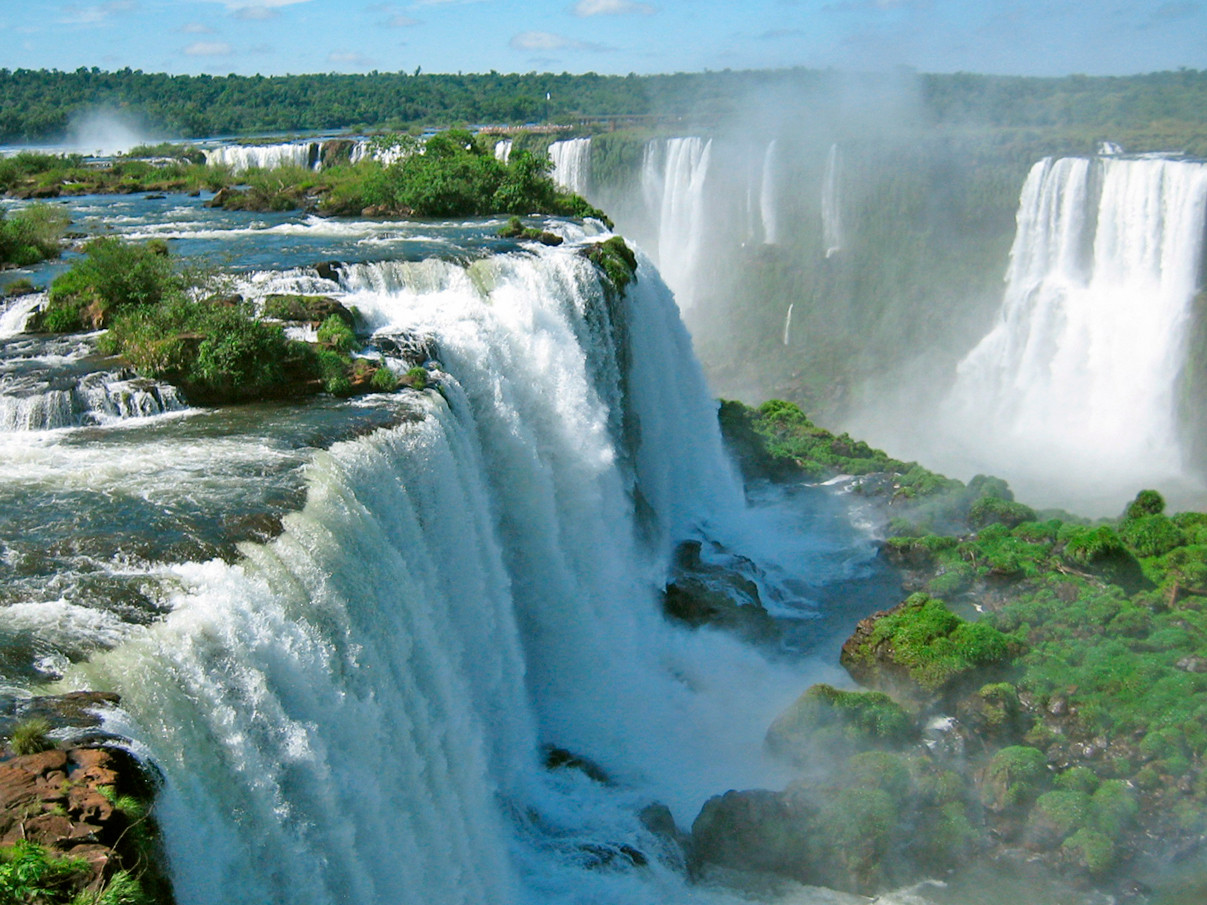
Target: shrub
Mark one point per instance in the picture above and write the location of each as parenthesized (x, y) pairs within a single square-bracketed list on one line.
[(1015, 776), (31, 737), (111, 277), (336, 335), (383, 380), (1091, 850), (29, 873), (32, 235)]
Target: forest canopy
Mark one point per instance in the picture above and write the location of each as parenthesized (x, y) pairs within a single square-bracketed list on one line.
[(40, 105)]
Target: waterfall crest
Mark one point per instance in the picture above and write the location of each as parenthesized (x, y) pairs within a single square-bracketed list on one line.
[(264, 157)]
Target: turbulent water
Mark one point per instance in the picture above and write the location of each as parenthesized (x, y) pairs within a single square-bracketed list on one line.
[(1082, 367), (245, 157), (346, 631)]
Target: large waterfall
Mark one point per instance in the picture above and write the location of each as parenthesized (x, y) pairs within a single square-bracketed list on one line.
[(356, 709), (1082, 365)]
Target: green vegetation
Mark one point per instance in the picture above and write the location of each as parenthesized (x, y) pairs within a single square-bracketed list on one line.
[(30, 737), (826, 720), (37, 105), (932, 646), (617, 261), (111, 276), (31, 874), (179, 326), (31, 235)]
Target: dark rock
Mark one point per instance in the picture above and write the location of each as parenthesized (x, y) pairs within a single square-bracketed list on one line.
[(755, 830), (559, 758), (717, 594), (328, 270)]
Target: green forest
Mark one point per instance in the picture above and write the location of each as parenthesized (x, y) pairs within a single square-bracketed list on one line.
[(39, 105)]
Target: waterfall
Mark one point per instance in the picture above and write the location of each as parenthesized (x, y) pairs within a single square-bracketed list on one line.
[(572, 164), (767, 195), (831, 203), (788, 327), (503, 149), (1082, 363), (354, 710), (265, 157), (673, 179)]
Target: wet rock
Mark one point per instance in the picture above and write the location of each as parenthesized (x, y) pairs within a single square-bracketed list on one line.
[(717, 594)]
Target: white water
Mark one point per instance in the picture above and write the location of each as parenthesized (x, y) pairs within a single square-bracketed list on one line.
[(768, 192), (673, 179), (245, 157), (572, 164), (1078, 376), (503, 149), (831, 203), (354, 711)]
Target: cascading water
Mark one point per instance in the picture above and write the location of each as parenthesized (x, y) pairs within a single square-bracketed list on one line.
[(356, 709), (673, 179), (503, 149), (1081, 369), (265, 157), (767, 193), (831, 203), (572, 164)]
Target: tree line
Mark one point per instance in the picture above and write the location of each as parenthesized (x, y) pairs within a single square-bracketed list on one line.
[(39, 105)]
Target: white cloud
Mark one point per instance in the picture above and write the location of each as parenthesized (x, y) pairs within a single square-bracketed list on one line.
[(350, 58), (208, 49), (546, 41), (400, 21), (256, 9), (196, 28), (585, 8), (95, 15)]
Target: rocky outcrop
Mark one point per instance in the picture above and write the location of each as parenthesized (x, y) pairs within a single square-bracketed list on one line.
[(310, 309), (90, 802), (717, 594)]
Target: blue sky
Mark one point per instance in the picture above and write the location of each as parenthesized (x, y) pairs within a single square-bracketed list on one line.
[(1026, 37)]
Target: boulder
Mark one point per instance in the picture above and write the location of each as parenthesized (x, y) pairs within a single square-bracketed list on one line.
[(717, 594)]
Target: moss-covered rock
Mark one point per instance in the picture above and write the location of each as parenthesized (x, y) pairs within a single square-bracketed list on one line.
[(1014, 778), (828, 722), (920, 649)]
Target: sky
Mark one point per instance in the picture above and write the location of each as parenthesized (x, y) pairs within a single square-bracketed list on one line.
[(275, 37)]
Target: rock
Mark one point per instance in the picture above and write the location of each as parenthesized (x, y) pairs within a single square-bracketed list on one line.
[(312, 309), (921, 652), (755, 830), (717, 594), (328, 270), (223, 197), (70, 801), (826, 722), (559, 758)]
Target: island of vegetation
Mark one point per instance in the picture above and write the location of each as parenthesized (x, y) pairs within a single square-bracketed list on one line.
[(1039, 698)]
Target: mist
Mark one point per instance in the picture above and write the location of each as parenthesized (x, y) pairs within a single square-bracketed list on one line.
[(103, 132), (830, 244)]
